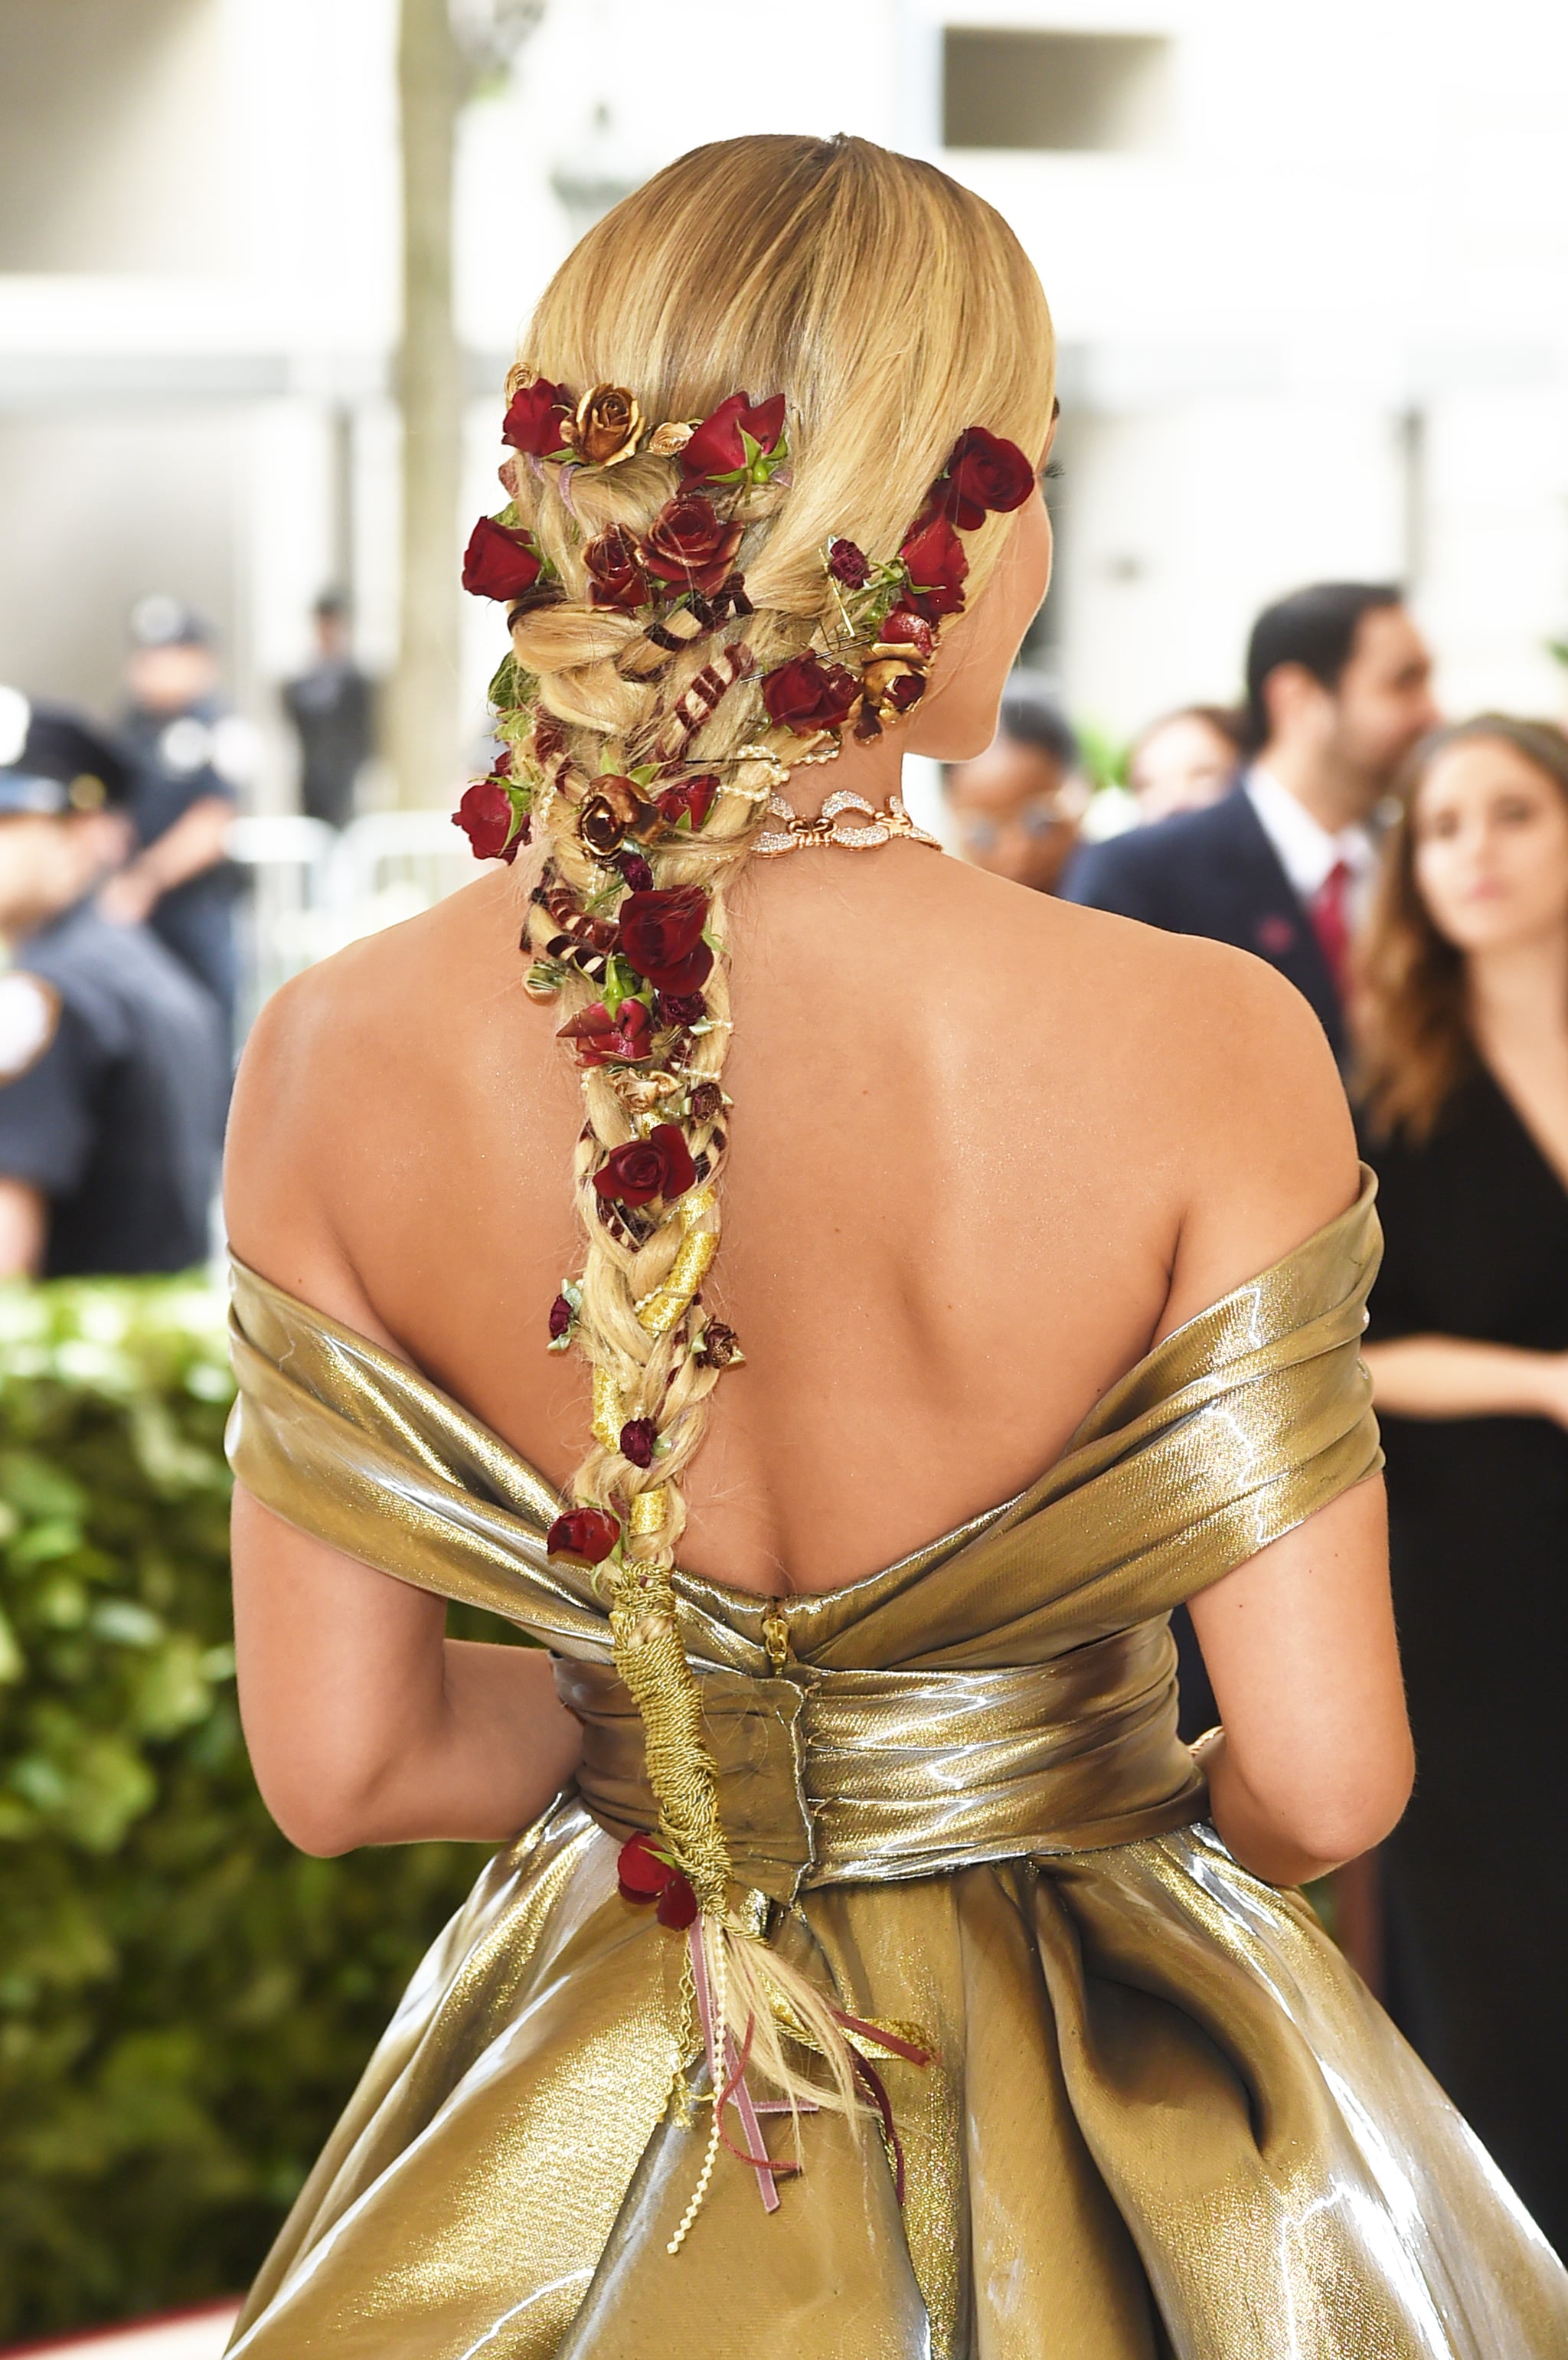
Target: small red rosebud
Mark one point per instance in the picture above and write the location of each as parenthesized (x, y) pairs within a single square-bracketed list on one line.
[(641, 1869), (584, 1537), (706, 1101), (487, 818), (635, 872), (560, 1318), (637, 1438), (692, 799)]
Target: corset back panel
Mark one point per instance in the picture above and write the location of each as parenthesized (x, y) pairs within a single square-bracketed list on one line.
[(833, 1776)]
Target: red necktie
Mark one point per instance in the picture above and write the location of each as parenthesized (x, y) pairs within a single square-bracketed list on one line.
[(1331, 924)]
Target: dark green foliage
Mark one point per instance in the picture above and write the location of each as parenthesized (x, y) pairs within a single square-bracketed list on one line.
[(185, 2000)]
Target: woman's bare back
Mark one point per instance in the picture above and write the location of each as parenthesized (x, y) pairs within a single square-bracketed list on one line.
[(986, 1147)]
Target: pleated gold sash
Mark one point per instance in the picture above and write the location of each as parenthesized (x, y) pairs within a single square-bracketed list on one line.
[(834, 1777)]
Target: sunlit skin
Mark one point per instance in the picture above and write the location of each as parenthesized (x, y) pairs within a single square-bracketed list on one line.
[(1179, 765), (1491, 864), (1340, 750), (988, 1147), (1017, 812)]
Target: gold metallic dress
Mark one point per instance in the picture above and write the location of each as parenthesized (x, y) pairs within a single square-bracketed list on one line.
[(1163, 2117)]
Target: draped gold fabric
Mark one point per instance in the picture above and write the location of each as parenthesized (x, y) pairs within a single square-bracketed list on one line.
[(1164, 2117)]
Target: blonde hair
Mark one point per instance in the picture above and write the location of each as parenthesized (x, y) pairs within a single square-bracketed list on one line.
[(892, 309)]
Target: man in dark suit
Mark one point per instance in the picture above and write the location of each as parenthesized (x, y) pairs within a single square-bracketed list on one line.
[(1338, 692)]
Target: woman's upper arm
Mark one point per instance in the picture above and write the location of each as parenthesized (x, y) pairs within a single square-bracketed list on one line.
[(1269, 1149), (334, 1662), (330, 1652), (1298, 1641)]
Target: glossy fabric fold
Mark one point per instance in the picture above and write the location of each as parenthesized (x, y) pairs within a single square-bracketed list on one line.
[(1164, 2117)]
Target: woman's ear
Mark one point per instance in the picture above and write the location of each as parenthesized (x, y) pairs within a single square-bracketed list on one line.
[(956, 719)]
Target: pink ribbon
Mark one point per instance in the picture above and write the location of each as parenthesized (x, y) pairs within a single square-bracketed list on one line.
[(730, 2089)]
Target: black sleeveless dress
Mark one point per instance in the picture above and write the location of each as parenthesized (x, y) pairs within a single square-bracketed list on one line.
[(1476, 1229)]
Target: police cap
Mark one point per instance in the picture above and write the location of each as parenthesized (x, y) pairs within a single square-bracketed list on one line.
[(53, 760)]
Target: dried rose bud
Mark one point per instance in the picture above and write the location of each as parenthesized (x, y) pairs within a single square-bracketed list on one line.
[(719, 1346), (563, 1319), (682, 1007), (706, 1101), (848, 564), (637, 1438), (635, 872)]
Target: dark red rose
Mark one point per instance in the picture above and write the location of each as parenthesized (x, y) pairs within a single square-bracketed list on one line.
[(681, 1006), (637, 1438), (983, 473), (644, 1169), (599, 1039), (536, 417), (690, 544), (499, 562), (677, 1904), (561, 1316), (486, 817), (584, 1537), (692, 799), (848, 563), (806, 694), (615, 569), (706, 1101), (938, 569), (903, 629), (661, 934), (716, 449), (635, 872)]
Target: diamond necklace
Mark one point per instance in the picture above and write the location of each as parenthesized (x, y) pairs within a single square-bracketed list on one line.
[(882, 825)]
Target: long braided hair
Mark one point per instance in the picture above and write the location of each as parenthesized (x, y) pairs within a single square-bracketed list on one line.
[(684, 631)]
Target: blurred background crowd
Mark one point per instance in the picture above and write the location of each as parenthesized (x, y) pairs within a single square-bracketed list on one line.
[(1299, 686)]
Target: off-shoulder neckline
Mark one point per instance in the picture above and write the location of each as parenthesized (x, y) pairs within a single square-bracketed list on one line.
[(946, 1544)]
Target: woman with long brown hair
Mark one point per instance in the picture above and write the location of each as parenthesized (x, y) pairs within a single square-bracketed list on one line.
[(869, 1969), (1463, 1021)]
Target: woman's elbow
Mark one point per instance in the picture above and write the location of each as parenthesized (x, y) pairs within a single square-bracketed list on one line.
[(1340, 1818), (317, 1820)]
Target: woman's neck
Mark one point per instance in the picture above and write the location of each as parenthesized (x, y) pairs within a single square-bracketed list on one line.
[(871, 771), (1517, 993)]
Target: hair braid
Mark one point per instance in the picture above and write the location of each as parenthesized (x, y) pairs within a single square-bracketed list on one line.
[(892, 309)]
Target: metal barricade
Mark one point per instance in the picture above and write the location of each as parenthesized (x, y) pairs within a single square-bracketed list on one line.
[(311, 889)]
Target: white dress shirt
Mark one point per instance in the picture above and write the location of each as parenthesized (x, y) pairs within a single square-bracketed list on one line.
[(1304, 848)]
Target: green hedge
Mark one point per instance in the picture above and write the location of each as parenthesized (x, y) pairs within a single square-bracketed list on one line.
[(185, 2000)]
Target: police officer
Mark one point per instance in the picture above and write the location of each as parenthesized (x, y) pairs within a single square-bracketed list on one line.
[(112, 1069), (192, 757), (332, 708)]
